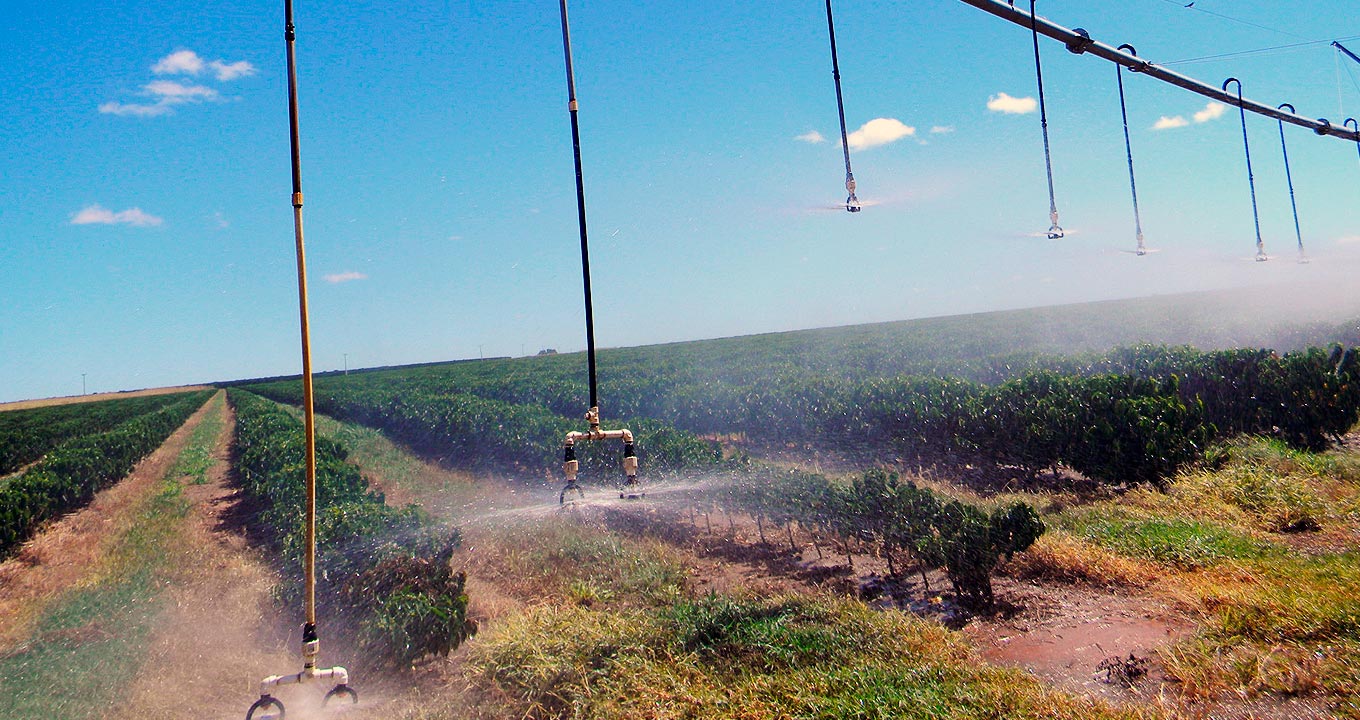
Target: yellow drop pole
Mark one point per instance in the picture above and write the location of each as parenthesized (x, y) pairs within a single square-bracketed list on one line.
[(309, 638), (310, 643)]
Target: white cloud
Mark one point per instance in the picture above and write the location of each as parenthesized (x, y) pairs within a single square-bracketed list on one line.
[(168, 93), (347, 276), (99, 215), (1003, 103), (179, 62), (188, 62), (1212, 111), (175, 93), (941, 129), (134, 109), (1167, 123), (811, 136), (230, 71), (879, 131)]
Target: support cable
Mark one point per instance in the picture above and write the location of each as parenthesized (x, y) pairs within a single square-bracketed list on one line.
[(1128, 151), (851, 202), (1082, 43), (1289, 177), (1251, 179)]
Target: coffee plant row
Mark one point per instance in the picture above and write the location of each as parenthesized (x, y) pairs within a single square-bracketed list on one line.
[(27, 435), (1127, 416), (473, 431), (898, 520), (69, 476), (384, 575)]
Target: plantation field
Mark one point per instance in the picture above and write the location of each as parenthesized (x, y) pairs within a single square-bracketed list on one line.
[(97, 397), (1027, 514)]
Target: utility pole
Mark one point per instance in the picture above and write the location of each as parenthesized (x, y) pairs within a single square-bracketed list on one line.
[(346, 363), (479, 353), (82, 383)]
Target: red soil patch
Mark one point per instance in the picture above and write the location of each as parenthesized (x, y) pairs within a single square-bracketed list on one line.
[(1063, 634)]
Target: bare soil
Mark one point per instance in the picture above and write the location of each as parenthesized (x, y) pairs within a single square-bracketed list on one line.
[(1067, 636), (72, 550)]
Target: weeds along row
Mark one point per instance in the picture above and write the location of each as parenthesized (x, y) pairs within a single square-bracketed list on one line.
[(70, 475), (27, 435), (385, 583), (1128, 416)]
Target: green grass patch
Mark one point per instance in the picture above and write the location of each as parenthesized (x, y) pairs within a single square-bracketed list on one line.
[(1288, 627), (724, 657), (1313, 599), (560, 557), (88, 643), (442, 491), (193, 463), (1276, 455), (1183, 543)]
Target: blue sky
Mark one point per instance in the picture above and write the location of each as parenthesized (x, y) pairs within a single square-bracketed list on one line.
[(144, 198)]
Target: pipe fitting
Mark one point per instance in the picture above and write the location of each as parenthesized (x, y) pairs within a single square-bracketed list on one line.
[(1079, 45)]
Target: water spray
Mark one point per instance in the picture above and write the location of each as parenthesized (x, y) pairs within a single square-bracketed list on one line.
[(311, 644), (630, 487)]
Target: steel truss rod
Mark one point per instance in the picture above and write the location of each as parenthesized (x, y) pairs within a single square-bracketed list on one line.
[(1079, 42), (1343, 49)]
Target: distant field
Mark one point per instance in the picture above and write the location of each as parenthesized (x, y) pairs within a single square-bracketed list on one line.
[(96, 397), (976, 346)]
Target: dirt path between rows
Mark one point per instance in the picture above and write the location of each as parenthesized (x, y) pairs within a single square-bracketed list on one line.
[(69, 552), (219, 635)]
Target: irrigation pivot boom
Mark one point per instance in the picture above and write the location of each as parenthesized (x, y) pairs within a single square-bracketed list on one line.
[(310, 643), (1343, 49), (1080, 43), (630, 487)]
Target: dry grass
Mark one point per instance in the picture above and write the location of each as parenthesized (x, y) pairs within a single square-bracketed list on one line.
[(1060, 558), (73, 551), (726, 657)]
